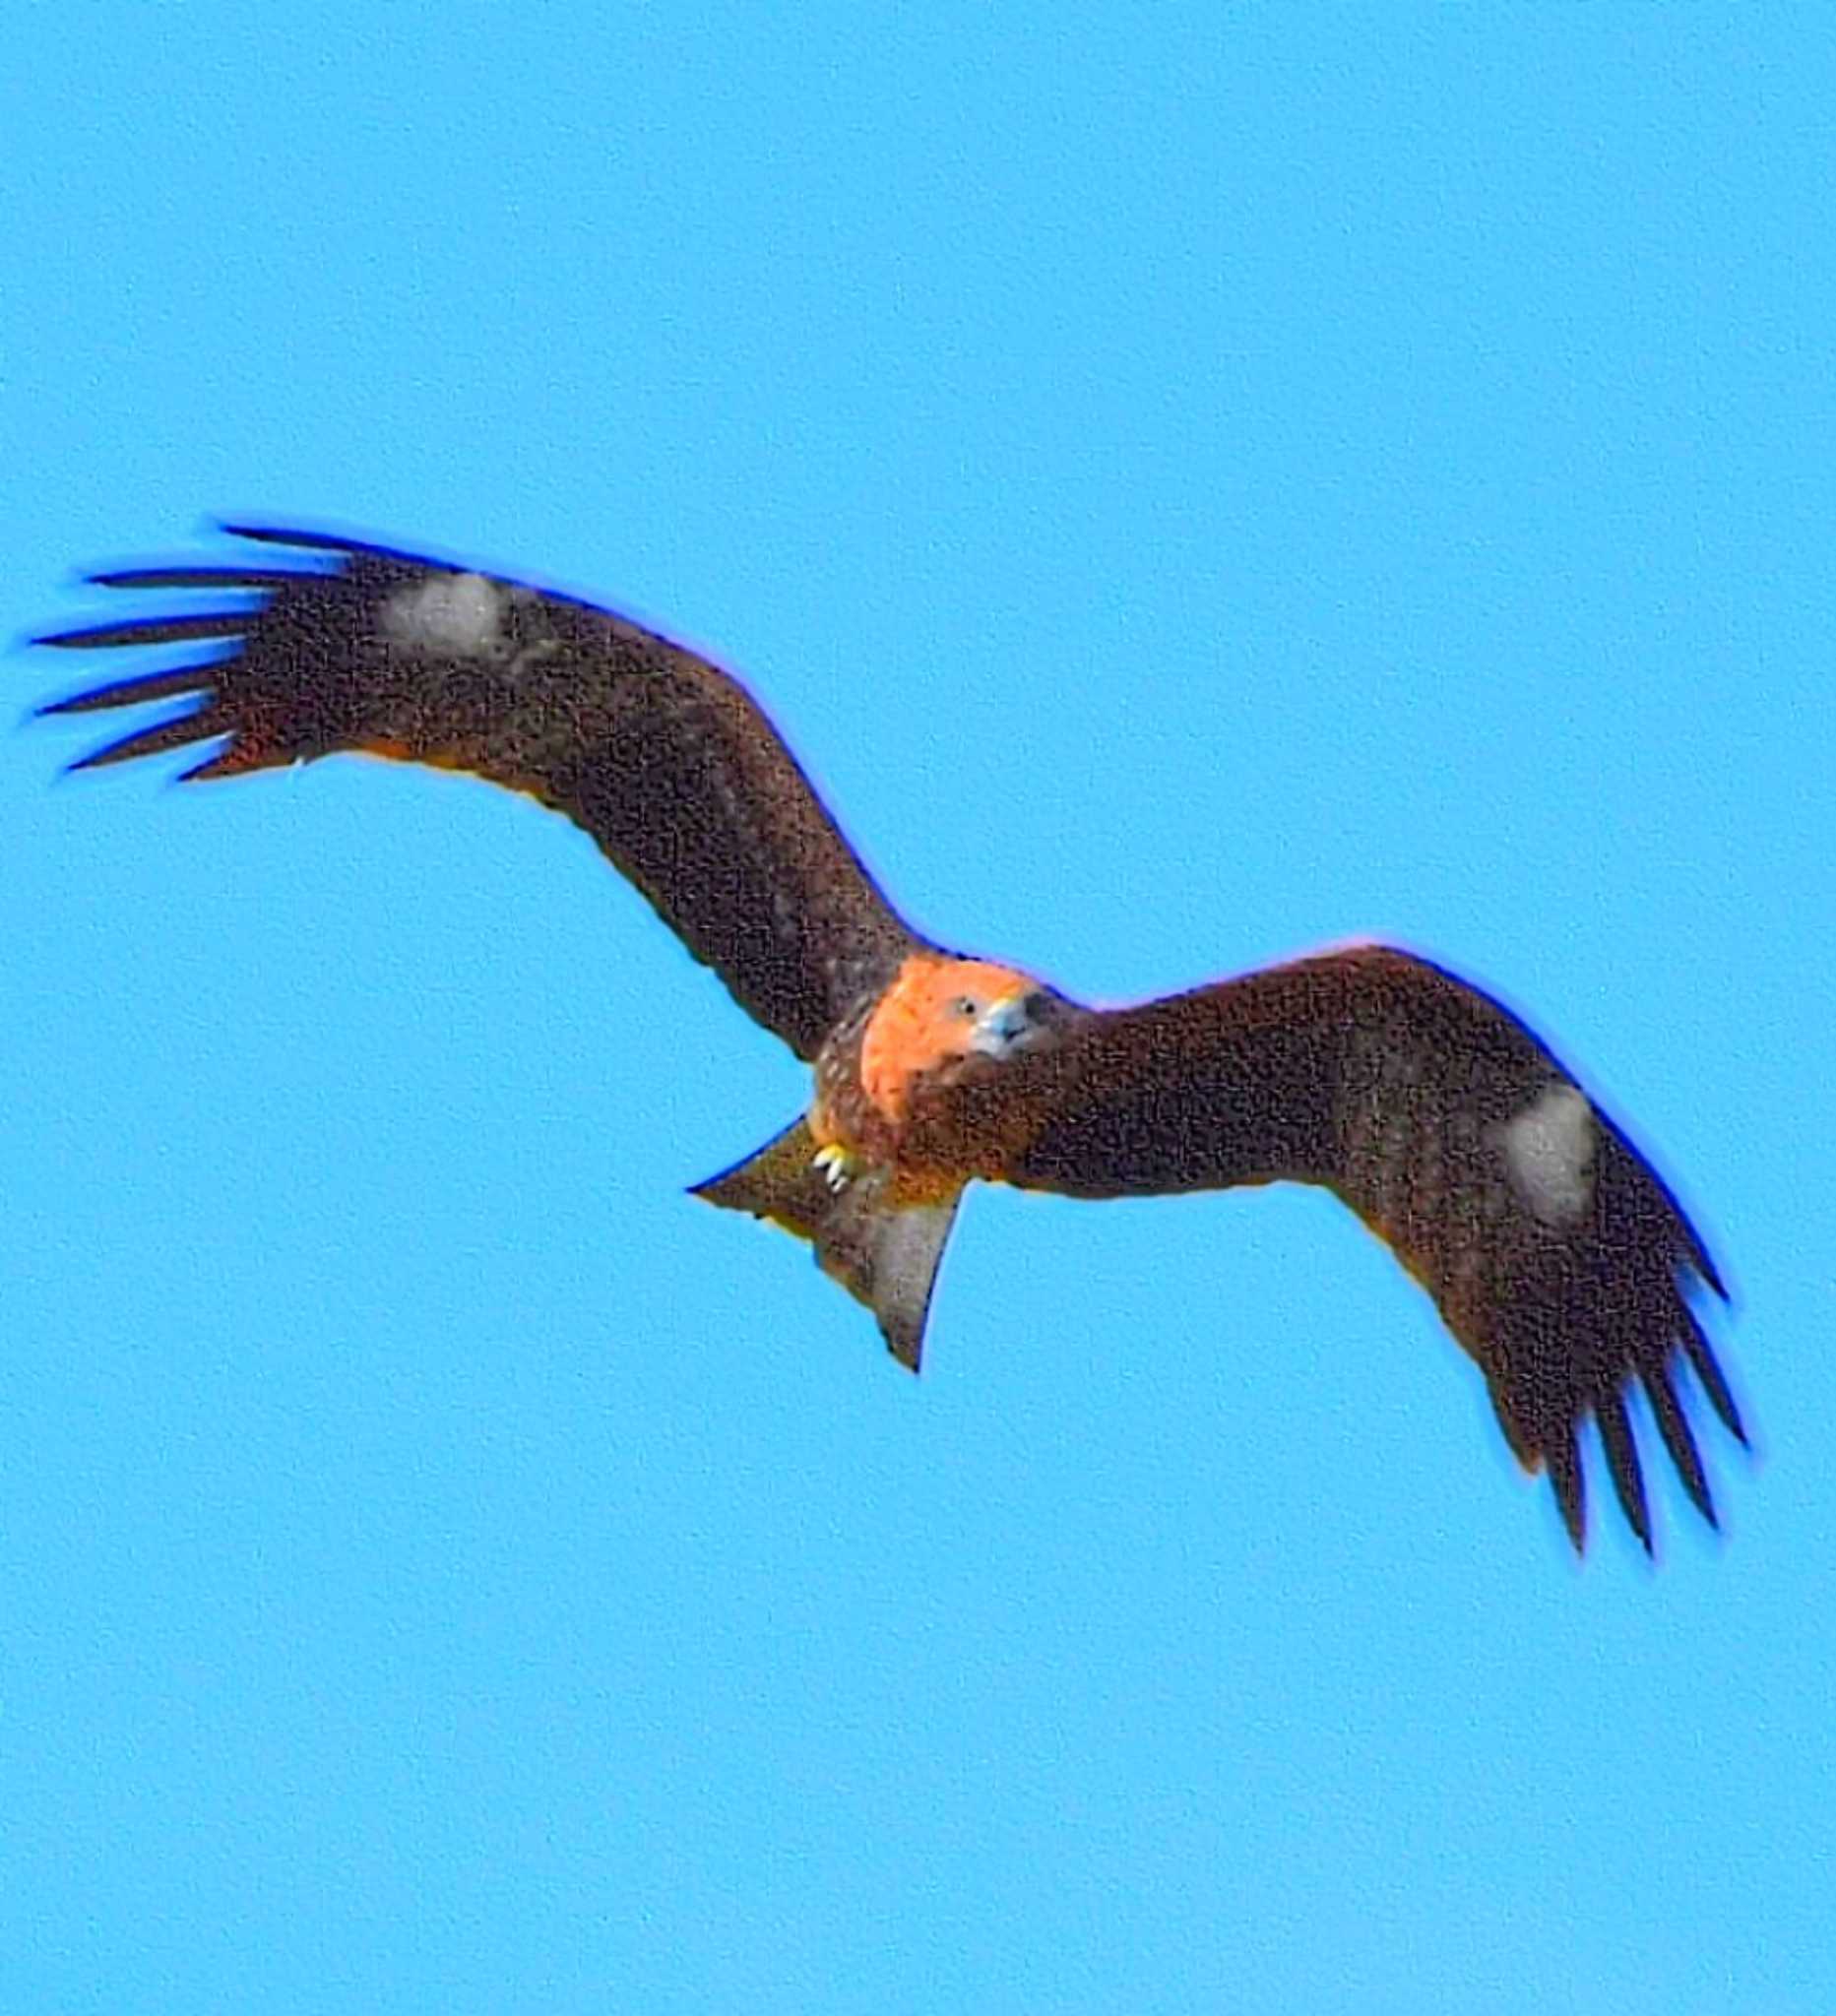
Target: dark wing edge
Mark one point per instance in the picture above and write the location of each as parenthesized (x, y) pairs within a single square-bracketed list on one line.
[(662, 756), (1558, 1256)]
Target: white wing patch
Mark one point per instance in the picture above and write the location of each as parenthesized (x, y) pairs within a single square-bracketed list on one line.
[(458, 614), (1549, 1150)]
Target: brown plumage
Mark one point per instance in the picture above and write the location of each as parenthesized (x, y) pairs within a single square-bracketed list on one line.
[(1555, 1254), (664, 759)]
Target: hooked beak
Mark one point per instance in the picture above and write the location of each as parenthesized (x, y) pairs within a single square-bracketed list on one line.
[(1012, 1024)]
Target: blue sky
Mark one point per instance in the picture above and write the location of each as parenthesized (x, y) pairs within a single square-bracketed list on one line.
[(1190, 488)]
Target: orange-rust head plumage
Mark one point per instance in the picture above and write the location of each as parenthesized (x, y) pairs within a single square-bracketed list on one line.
[(935, 1010), (1557, 1255)]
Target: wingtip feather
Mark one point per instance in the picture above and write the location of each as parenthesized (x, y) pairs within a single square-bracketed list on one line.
[(248, 580), (1562, 1460), (1628, 1480), (1712, 1379), (344, 546), (273, 535), (1678, 1439), (174, 732), (167, 686)]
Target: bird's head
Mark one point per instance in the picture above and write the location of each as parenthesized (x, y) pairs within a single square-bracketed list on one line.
[(940, 1012)]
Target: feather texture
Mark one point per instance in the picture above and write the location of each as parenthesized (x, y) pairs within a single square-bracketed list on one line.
[(1556, 1255), (658, 754)]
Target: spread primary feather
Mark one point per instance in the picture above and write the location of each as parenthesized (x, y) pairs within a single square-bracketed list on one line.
[(1556, 1255)]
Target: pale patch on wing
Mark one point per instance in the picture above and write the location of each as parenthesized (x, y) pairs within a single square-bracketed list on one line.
[(461, 614), (1548, 1151)]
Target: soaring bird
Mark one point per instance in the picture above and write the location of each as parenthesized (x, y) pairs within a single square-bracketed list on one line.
[(1556, 1256)]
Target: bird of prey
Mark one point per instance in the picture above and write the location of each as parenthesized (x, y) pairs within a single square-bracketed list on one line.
[(1557, 1257)]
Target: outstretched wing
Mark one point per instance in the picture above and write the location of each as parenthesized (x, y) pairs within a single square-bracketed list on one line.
[(664, 758), (1555, 1253)]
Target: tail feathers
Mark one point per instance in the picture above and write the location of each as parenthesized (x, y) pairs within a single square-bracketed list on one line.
[(885, 1254), (780, 1181)]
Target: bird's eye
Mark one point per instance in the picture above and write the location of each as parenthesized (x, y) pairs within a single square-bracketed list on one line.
[(965, 1006)]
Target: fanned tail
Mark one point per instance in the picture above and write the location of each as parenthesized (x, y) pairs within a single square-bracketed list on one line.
[(885, 1254)]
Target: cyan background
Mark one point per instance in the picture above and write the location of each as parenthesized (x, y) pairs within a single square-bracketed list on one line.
[(1191, 483)]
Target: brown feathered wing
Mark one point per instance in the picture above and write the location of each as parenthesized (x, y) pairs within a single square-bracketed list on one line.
[(665, 759), (1555, 1253)]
